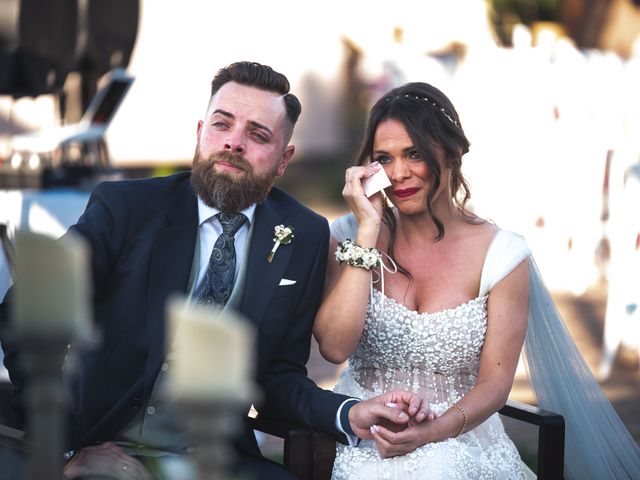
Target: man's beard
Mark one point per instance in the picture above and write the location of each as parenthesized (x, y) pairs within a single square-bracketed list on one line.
[(226, 191)]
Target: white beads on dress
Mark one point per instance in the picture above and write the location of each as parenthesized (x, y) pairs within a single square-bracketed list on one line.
[(436, 355)]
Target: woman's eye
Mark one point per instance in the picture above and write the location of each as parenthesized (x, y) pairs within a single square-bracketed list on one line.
[(382, 159), (414, 155)]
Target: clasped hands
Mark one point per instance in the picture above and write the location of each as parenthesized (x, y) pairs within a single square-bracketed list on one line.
[(398, 421)]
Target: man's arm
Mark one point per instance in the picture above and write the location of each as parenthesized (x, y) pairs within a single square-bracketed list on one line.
[(290, 394), (95, 221)]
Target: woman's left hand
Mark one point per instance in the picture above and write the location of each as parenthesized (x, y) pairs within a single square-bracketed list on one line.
[(392, 444)]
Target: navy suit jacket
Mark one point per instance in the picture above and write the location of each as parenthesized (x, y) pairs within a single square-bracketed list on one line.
[(143, 234)]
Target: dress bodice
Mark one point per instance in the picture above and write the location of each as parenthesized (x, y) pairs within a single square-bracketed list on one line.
[(436, 354)]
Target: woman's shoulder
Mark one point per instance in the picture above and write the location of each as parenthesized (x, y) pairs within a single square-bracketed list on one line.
[(508, 240), (506, 251), (490, 234), (344, 227)]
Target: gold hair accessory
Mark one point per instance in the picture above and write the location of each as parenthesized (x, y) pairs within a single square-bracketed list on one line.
[(428, 100)]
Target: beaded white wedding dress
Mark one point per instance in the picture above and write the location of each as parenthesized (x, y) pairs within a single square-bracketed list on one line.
[(437, 356)]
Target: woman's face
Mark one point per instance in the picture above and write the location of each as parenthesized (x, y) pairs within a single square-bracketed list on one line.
[(411, 178)]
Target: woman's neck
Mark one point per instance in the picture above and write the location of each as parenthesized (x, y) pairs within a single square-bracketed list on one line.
[(422, 225)]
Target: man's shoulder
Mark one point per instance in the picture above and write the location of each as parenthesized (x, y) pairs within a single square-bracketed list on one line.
[(145, 186), (145, 197)]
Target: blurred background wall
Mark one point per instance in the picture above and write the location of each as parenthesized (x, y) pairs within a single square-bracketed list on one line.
[(547, 92)]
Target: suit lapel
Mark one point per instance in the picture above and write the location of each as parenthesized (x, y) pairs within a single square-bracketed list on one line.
[(170, 266), (263, 277)]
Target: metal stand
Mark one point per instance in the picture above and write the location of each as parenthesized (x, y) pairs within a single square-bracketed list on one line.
[(47, 404), (213, 424)]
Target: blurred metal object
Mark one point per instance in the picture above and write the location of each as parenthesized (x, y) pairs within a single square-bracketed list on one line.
[(70, 154), (107, 31), (213, 425), (47, 404), (37, 45), (41, 41)]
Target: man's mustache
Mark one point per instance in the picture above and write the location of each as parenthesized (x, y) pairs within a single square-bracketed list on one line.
[(230, 158)]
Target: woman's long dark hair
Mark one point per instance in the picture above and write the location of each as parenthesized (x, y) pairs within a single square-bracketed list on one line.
[(432, 123)]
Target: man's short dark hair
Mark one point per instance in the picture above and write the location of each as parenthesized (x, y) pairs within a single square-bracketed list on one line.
[(254, 74)]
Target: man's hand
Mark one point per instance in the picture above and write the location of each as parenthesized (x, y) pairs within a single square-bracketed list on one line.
[(396, 407), (106, 459)]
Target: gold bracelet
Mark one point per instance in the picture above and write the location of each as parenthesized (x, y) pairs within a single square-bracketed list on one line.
[(464, 423)]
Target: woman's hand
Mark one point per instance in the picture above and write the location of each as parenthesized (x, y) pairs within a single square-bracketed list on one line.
[(392, 443), (106, 459), (395, 409), (368, 211)]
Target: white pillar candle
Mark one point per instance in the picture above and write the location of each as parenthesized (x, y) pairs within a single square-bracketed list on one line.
[(212, 352), (51, 296)]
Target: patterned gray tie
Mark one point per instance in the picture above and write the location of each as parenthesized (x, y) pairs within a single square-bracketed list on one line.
[(218, 281)]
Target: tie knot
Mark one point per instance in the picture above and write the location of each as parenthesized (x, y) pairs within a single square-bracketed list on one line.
[(231, 222)]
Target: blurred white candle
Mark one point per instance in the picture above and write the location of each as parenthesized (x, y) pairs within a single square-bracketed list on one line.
[(212, 353), (52, 286)]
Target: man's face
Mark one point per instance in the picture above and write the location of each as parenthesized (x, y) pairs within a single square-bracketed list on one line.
[(241, 147)]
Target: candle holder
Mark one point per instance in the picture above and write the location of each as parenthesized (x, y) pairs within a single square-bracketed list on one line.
[(50, 309), (47, 403), (213, 426), (210, 379)]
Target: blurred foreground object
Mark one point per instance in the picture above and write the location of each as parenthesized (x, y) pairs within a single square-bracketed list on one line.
[(50, 310), (52, 287), (70, 154), (212, 379)]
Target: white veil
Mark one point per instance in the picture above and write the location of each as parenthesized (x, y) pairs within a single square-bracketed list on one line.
[(597, 444)]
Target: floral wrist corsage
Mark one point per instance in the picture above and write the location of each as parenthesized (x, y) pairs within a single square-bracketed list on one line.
[(357, 256)]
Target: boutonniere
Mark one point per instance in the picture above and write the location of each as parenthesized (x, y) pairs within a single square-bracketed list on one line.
[(281, 236)]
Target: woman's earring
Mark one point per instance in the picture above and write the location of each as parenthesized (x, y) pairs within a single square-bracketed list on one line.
[(385, 201)]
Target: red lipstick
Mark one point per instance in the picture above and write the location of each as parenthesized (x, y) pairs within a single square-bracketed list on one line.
[(404, 193)]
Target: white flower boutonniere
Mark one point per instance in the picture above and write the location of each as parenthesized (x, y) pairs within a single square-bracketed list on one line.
[(281, 236)]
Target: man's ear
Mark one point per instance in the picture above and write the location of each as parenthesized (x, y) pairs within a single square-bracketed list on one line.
[(286, 156), (199, 129)]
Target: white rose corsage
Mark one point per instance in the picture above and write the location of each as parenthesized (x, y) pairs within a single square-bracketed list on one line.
[(357, 256), (281, 236)]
